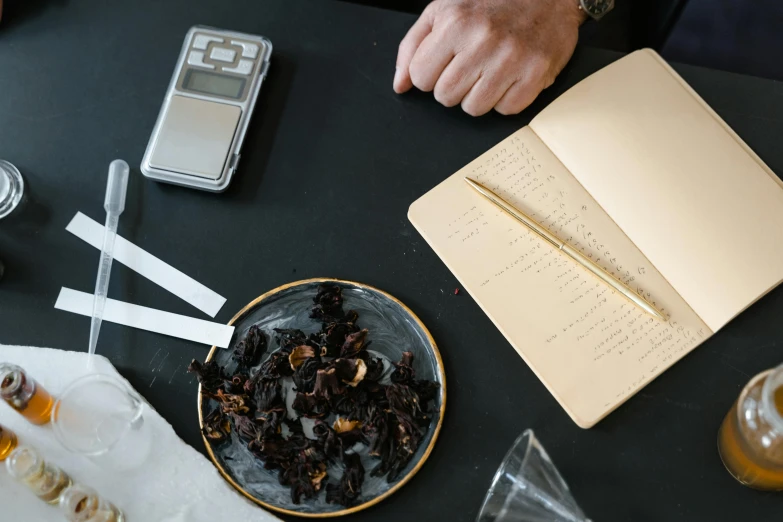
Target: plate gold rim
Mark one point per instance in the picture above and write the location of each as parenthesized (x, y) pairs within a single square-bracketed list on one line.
[(391, 490)]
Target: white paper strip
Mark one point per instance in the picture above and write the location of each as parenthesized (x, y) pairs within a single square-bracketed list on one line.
[(149, 319), (149, 266)]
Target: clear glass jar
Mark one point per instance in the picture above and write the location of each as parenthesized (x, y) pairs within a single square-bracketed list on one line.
[(81, 504), (750, 441), (24, 394), (11, 188), (45, 480)]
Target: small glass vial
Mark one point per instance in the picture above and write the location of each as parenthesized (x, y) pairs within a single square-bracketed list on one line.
[(45, 480), (24, 394), (81, 504), (750, 441), (8, 442)]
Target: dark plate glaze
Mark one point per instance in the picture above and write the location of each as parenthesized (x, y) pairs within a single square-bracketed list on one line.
[(393, 329)]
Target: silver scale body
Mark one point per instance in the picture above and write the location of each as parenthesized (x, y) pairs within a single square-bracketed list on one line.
[(199, 133)]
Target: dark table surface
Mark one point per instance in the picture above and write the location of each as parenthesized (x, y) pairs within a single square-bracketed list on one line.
[(332, 161)]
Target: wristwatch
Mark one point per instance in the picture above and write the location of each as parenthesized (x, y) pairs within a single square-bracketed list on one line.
[(596, 9)]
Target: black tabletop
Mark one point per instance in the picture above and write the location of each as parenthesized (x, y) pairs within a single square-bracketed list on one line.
[(332, 161)]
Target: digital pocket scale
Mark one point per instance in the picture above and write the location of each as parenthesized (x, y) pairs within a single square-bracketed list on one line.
[(201, 126)]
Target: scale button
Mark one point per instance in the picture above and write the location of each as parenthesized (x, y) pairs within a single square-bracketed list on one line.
[(249, 50), (222, 54), (197, 58), (201, 41), (244, 67)]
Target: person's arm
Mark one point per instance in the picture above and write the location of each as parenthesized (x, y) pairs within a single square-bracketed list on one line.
[(1, 9), (486, 54)]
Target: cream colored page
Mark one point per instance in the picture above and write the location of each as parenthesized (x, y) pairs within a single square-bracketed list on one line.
[(588, 344), (699, 207)]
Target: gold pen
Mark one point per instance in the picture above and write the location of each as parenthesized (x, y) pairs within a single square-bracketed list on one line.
[(566, 249)]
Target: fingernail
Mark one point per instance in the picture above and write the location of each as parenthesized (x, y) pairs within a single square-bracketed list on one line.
[(396, 76)]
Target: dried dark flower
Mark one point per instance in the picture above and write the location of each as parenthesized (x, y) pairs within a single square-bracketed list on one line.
[(310, 406), (299, 355), (328, 440), (305, 474), (304, 376), (354, 344), (375, 368), (268, 396), (276, 366), (403, 370), (326, 384), (236, 384), (328, 304), (245, 427), (216, 426), (333, 337), (349, 489), (232, 403), (290, 339), (248, 352), (269, 423), (350, 371), (210, 375)]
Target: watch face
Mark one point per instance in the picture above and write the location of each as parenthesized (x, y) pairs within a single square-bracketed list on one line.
[(597, 7)]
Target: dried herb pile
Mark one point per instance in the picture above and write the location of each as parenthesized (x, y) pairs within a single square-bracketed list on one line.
[(337, 384)]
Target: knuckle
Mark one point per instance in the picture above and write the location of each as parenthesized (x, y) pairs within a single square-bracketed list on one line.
[(472, 108), (444, 96), (420, 78)]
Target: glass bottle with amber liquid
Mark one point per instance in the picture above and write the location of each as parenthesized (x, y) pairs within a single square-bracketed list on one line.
[(8, 442), (24, 394), (750, 441)]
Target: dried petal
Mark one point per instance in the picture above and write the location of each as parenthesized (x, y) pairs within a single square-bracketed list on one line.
[(350, 371), (375, 368), (327, 384), (310, 406), (216, 426), (232, 403), (299, 355), (304, 376), (210, 375), (354, 344), (404, 372), (290, 339), (348, 491), (249, 351), (268, 396), (328, 304), (342, 424)]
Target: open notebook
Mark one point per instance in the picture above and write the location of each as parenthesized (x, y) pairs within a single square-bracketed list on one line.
[(633, 168)]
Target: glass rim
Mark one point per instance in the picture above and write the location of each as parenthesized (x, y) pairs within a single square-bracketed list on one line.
[(769, 408), (115, 381), (525, 435), (10, 169)]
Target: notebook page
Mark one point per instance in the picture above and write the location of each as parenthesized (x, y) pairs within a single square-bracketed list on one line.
[(706, 213), (591, 347)]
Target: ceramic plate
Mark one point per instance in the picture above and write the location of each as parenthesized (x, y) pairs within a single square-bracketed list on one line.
[(393, 329)]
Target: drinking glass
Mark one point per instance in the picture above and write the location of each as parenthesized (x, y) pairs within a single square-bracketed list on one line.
[(101, 417), (528, 488), (11, 188)]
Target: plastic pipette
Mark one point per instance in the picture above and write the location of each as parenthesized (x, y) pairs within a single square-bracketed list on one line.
[(116, 188)]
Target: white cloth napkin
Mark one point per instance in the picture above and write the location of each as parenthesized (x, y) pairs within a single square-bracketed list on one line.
[(177, 484)]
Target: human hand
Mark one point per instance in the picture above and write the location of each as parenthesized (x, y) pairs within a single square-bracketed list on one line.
[(488, 53)]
